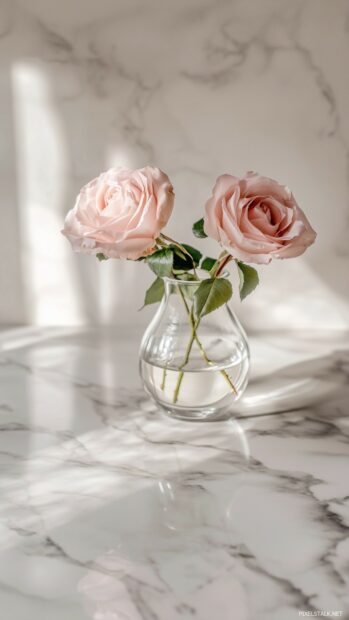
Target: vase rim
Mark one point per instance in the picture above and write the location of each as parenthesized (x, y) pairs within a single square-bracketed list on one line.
[(170, 280)]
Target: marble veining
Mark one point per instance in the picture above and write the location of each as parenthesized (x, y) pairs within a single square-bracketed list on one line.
[(197, 88), (110, 510)]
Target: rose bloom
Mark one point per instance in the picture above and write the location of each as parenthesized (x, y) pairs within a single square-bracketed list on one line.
[(256, 219), (120, 213)]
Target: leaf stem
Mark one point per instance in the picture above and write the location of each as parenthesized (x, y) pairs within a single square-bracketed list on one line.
[(220, 264)]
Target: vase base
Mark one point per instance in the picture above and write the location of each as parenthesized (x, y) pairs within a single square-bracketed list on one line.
[(191, 414)]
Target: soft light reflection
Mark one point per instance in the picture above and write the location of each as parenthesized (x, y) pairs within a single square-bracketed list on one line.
[(20, 337), (293, 295), (107, 282), (42, 162), (117, 157), (93, 471), (241, 434)]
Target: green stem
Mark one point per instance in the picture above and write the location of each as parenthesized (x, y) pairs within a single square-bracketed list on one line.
[(216, 270), (210, 363), (195, 337), (185, 360), (163, 382), (218, 267)]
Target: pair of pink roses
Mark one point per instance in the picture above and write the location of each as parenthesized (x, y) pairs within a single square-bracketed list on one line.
[(121, 213)]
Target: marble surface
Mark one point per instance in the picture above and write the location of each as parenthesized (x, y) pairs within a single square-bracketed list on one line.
[(196, 87), (112, 511)]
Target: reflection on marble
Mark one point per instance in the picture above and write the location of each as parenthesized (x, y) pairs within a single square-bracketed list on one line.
[(112, 511), (196, 87)]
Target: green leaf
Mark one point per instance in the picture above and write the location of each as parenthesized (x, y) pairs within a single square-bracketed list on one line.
[(248, 277), (181, 261), (185, 259), (212, 294), (198, 229), (176, 250), (194, 253), (189, 290), (207, 263), (161, 262), (155, 292), (101, 256)]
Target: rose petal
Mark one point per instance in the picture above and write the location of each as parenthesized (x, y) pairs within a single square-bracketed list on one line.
[(256, 219), (120, 213)]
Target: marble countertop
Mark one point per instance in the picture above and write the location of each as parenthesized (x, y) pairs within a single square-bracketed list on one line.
[(112, 511)]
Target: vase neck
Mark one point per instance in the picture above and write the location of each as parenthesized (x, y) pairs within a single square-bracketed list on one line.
[(185, 288)]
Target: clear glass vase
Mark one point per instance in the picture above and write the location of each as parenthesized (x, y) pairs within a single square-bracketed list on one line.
[(194, 370)]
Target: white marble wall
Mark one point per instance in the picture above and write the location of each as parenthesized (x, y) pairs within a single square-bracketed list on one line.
[(197, 87)]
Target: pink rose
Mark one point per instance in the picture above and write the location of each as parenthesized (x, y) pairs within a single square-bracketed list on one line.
[(256, 219), (120, 213)]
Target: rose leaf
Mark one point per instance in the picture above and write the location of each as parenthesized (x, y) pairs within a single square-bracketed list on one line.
[(194, 253), (248, 277), (161, 262), (211, 294), (155, 292), (198, 229), (101, 256), (207, 263)]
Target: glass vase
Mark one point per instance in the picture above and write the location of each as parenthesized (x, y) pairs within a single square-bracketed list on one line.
[(193, 369)]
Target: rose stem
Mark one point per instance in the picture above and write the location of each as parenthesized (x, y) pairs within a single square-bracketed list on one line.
[(203, 352), (178, 245), (185, 360), (163, 382), (198, 341), (226, 259), (218, 268), (194, 336)]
